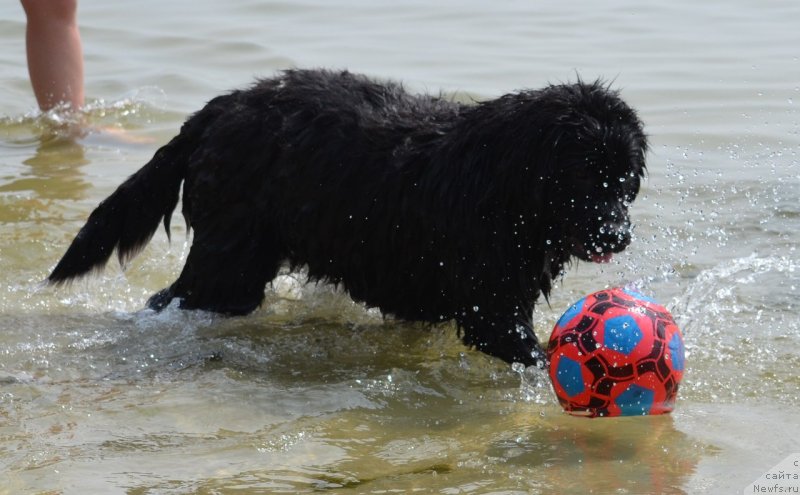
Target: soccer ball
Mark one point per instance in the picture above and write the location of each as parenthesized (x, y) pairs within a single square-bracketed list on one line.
[(616, 353)]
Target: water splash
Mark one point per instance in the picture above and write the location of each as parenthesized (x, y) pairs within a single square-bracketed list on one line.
[(741, 330), (138, 110)]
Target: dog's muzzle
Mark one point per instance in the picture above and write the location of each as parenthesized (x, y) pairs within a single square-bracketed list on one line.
[(602, 242)]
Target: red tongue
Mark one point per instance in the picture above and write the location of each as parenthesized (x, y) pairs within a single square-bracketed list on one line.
[(602, 258)]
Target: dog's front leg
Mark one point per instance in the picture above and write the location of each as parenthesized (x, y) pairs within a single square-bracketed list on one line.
[(503, 335)]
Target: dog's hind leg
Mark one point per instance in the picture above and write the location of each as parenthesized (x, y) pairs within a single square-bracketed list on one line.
[(226, 270)]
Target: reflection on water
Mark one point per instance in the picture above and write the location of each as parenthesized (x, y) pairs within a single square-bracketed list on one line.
[(54, 173), (51, 149), (50, 168)]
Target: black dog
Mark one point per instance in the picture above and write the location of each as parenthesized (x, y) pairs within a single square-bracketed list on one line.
[(428, 209)]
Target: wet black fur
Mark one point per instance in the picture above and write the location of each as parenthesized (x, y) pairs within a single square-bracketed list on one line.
[(428, 209)]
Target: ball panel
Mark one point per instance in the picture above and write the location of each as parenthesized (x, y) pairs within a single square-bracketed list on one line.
[(677, 352), (635, 400), (640, 297), (622, 334), (569, 376), (571, 313)]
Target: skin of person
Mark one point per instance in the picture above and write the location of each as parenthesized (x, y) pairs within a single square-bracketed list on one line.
[(55, 53)]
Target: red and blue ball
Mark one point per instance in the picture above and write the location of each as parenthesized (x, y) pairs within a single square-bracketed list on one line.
[(616, 353)]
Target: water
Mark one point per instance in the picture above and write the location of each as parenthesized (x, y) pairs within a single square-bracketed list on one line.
[(315, 393)]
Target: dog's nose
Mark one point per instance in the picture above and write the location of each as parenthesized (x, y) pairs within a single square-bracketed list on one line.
[(613, 237)]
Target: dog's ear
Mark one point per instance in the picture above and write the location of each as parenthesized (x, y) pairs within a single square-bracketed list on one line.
[(600, 135)]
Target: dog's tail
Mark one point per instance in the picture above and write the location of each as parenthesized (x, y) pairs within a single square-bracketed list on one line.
[(126, 220)]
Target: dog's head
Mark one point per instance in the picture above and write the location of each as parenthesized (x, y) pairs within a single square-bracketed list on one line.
[(597, 163)]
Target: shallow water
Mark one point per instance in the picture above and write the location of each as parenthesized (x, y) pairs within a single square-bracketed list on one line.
[(315, 393)]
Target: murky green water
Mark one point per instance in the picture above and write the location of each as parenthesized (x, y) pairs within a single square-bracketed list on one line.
[(315, 393)]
